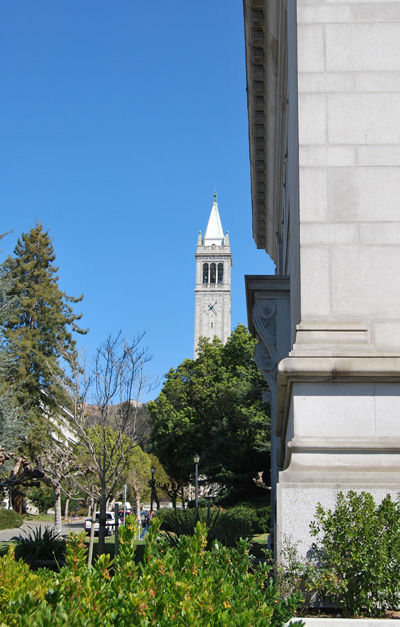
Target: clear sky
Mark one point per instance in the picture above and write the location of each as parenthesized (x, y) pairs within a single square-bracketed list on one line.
[(118, 121)]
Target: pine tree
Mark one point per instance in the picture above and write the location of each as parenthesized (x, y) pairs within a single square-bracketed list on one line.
[(38, 334), (10, 425)]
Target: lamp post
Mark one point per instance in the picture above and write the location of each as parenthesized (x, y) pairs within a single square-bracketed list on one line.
[(196, 460), (153, 470)]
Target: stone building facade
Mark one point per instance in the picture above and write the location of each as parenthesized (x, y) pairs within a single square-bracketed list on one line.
[(323, 84), (213, 281)]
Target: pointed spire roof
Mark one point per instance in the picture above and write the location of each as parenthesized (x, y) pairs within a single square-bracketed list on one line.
[(214, 233)]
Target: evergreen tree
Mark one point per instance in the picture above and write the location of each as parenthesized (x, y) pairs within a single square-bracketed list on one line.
[(213, 406), (38, 334), (11, 429)]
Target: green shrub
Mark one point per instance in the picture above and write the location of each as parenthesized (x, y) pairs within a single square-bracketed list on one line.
[(183, 585), (167, 516), (39, 545), (200, 503), (354, 564), (17, 579), (241, 521), (296, 575), (358, 550), (257, 518), (230, 526), (10, 519)]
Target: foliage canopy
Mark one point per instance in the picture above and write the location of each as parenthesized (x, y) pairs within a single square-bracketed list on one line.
[(213, 406)]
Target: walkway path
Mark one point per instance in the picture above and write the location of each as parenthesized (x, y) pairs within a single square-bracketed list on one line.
[(76, 525)]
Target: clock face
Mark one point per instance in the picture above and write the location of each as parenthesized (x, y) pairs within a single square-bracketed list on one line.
[(212, 307)]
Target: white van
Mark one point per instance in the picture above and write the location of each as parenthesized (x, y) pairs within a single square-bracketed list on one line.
[(121, 505)]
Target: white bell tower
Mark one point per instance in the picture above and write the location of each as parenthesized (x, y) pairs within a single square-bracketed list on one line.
[(213, 282)]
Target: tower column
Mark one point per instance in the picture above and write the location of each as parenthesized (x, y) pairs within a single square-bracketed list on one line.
[(213, 282)]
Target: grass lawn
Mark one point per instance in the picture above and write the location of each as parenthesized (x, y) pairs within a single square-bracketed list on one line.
[(38, 517), (260, 544), (10, 519), (110, 547)]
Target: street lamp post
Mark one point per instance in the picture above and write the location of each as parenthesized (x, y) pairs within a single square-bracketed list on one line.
[(153, 470), (196, 460)]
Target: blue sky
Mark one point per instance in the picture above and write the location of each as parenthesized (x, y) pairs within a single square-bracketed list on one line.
[(119, 119)]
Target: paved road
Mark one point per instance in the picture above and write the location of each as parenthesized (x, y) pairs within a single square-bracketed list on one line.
[(75, 525)]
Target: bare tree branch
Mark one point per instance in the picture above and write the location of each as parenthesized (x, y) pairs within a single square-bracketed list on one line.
[(114, 386)]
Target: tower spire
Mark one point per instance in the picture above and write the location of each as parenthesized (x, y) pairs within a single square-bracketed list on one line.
[(214, 234)]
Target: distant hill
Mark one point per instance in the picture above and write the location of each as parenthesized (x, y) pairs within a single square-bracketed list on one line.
[(142, 428)]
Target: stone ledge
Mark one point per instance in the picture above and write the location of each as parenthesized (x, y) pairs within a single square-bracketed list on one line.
[(348, 622), (332, 339), (383, 445), (339, 368), (317, 478)]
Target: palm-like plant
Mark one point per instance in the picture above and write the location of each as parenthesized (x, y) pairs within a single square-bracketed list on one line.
[(39, 545), (221, 526)]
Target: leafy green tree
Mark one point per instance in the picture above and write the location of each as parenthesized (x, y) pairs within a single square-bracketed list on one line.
[(137, 477), (41, 496), (38, 335), (161, 481), (213, 406)]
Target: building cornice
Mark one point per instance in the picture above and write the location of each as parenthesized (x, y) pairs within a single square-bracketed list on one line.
[(266, 69)]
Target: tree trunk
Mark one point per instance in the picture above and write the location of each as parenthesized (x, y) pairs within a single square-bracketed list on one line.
[(102, 524), (138, 508), (17, 503), (66, 509), (57, 508), (91, 541)]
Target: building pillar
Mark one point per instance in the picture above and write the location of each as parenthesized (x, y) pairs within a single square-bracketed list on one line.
[(268, 306)]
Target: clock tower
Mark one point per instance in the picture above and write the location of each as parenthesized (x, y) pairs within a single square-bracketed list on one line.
[(213, 282)]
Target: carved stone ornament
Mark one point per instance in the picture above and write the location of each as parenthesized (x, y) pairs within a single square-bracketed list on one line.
[(264, 320)]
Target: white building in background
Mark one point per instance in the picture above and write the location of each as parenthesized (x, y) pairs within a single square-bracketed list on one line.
[(323, 85), (213, 282)]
